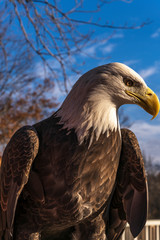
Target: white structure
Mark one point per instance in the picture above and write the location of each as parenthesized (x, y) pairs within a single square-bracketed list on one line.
[(151, 231)]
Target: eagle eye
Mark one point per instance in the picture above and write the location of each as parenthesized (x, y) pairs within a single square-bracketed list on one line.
[(128, 82)]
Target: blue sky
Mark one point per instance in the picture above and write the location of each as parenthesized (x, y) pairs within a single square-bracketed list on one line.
[(140, 49)]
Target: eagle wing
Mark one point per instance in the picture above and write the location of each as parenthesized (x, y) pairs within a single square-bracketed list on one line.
[(129, 200), (16, 164)]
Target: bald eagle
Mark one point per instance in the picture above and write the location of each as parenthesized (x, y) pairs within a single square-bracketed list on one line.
[(76, 175)]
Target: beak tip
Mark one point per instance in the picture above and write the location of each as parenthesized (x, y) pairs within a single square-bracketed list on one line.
[(153, 103), (155, 115)]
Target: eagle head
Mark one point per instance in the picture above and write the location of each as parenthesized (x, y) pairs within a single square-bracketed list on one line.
[(91, 106)]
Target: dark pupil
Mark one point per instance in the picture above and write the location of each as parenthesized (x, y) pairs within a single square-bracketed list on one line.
[(129, 83)]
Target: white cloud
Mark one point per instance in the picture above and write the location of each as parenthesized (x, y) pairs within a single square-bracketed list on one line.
[(59, 91), (91, 50), (117, 35), (108, 48), (149, 139), (41, 70), (101, 45), (148, 72), (156, 33), (131, 62)]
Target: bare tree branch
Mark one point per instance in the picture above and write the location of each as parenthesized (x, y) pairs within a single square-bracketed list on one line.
[(112, 26), (23, 95), (55, 34)]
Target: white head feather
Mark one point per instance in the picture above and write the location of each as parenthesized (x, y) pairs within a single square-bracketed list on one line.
[(92, 105)]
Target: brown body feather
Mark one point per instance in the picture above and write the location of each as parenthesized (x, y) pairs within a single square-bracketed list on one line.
[(69, 185), (75, 184)]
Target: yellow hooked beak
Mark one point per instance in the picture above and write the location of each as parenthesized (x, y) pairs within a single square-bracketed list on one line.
[(148, 101)]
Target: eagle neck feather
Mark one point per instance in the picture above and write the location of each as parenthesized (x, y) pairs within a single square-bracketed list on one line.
[(89, 117)]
